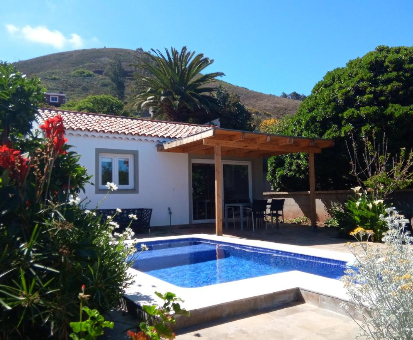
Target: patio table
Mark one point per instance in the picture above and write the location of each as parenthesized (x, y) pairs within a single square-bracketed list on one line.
[(241, 212)]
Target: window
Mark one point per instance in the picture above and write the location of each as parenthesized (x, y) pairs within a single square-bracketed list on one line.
[(119, 167), (54, 99)]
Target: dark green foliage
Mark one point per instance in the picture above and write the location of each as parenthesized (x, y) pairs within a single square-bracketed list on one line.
[(19, 99), (116, 73), (293, 95), (232, 113), (371, 95), (82, 73), (174, 88), (98, 104)]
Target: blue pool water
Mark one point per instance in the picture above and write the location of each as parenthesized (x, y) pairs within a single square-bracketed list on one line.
[(194, 262)]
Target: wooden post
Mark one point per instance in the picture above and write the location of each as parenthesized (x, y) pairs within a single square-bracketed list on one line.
[(313, 212), (218, 190)]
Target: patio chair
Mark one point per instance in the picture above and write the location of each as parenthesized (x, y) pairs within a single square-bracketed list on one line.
[(258, 213), (277, 210), (235, 211)]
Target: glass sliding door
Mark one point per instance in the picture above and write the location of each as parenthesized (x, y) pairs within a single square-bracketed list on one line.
[(203, 192), (236, 183), (236, 187)]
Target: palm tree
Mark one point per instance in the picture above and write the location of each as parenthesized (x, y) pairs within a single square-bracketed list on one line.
[(173, 87)]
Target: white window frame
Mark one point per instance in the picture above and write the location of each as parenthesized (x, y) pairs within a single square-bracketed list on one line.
[(54, 99), (115, 170)]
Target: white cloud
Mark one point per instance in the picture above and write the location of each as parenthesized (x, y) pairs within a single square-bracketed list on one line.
[(76, 41), (42, 35), (11, 29)]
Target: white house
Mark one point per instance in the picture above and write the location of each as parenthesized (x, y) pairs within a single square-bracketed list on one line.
[(170, 166)]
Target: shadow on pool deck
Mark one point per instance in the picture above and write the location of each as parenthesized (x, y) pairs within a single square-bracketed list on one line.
[(299, 235)]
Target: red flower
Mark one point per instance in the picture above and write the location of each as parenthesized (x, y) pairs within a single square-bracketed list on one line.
[(11, 159), (137, 336), (55, 132)]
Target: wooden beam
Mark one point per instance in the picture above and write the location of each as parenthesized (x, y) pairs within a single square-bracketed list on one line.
[(313, 212), (264, 147), (195, 147), (218, 190), (184, 141)]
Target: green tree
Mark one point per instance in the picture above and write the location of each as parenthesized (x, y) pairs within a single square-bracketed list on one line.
[(116, 74), (105, 104), (19, 100), (173, 87), (232, 113), (371, 95)]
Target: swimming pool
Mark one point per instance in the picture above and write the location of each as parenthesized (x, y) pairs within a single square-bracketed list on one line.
[(195, 262)]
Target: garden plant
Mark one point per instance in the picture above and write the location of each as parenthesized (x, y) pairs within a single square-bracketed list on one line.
[(380, 284), (50, 245)]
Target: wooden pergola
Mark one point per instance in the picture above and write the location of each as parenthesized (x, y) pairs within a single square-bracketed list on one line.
[(223, 142)]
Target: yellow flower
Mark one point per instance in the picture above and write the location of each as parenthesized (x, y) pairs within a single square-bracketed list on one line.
[(358, 230)]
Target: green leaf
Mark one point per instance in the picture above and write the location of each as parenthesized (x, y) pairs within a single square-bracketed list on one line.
[(151, 310)]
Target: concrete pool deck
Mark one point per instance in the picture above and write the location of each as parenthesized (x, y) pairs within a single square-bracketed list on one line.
[(229, 299), (316, 318)]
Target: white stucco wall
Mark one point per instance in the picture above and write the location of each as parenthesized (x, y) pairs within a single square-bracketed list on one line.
[(163, 177)]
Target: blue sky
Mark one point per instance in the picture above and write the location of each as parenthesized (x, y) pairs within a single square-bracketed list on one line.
[(268, 46)]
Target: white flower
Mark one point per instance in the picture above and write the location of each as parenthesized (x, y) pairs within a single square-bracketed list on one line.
[(114, 224), (133, 217), (74, 200), (144, 247), (109, 217), (357, 204), (111, 186), (88, 212), (376, 202), (356, 189), (118, 210), (370, 205)]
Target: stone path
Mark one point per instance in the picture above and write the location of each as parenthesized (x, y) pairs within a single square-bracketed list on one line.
[(291, 322)]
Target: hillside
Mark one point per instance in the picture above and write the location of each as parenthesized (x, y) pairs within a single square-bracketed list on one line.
[(55, 71)]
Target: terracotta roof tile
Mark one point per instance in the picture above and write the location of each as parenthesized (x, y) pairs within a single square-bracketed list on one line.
[(95, 122)]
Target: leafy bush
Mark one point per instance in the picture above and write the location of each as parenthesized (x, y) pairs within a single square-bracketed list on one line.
[(82, 73), (361, 210), (99, 104), (49, 245), (157, 326), (380, 284), (373, 93)]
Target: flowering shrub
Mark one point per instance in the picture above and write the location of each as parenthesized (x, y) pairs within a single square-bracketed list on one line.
[(361, 210), (49, 244), (381, 283)]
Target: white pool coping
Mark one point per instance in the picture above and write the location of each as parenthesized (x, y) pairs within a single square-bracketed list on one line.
[(142, 289)]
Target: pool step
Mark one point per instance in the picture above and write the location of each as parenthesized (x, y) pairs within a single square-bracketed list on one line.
[(174, 258), (237, 307), (262, 302)]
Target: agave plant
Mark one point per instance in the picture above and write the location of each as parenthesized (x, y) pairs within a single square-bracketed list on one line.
[(172, 85)]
